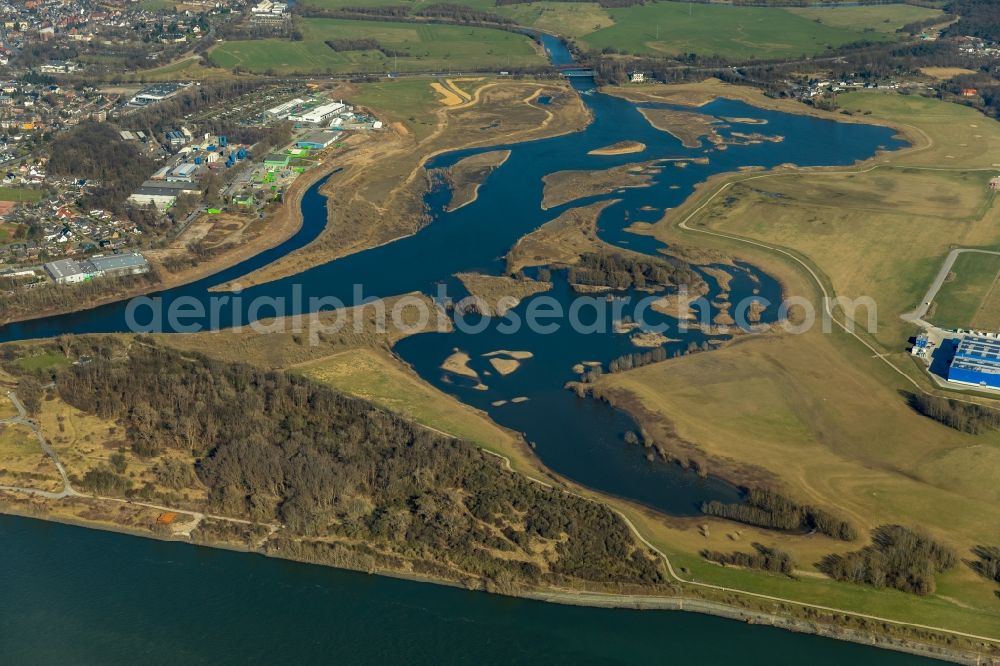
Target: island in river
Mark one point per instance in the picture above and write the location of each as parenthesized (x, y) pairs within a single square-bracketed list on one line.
[(577, 444)]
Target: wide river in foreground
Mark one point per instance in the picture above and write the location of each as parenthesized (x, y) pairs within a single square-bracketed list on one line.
[(78, 596)]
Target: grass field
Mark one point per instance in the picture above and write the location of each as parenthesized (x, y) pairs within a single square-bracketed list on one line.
[(428, 47), (20, 194), (8, 232), (881, 18), (561, 18), (22, 461), (850, 225), (969, 298), (376, 376), (187, 68), (43, 361), (818, 415), (738, 32), (826, 420), (698, 28), (7, 409), (409, 101)]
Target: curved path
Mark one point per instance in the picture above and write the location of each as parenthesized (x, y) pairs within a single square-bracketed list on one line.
[(576, 597), (68, 490), (850, 325), (917, 315)]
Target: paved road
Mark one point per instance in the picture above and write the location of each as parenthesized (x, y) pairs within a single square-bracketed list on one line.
[(917, 315)]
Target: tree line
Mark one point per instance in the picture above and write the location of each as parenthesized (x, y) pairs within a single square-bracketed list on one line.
[(763, 558), (363, 44), (441, 12), (625, 271), (766, 508), (275, 447), (987, 563), (898, 558), (966, 417)]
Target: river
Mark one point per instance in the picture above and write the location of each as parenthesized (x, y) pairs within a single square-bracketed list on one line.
[(308, 611), (79, 596)]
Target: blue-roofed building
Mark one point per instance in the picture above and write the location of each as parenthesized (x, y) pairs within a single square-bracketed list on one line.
[(976, 362)]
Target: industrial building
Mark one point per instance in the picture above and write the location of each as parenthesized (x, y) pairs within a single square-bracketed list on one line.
[(283, 110), (66, 271), (276, 161), (976, 362), (157, 93), (318, 114), (71, 271), (175, 139), (316, 140), (160, 194)]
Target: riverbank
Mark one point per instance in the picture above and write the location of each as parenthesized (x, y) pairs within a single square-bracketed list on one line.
[(382, 200), (278, 228), (694, 604)]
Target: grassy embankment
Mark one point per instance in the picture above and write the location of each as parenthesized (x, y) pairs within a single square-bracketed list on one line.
[(427, 47), (817, 415)]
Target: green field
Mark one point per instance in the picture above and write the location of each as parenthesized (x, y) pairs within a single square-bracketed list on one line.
[(734, 32), (965, 297), (881, 18), (20, 194), (410, 101), (43, 361), (443, 48)]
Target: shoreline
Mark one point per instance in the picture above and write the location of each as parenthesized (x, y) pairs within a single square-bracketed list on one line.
[(286, 222), (583, 598)]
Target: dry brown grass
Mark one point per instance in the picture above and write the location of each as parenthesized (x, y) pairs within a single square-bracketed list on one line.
[(378, 197), (944, 73), (469, 173), (22, 461), (565, 186), (500, 293), (559, 241), (814, 417), (620, 148), (277, 344), (686, 126)]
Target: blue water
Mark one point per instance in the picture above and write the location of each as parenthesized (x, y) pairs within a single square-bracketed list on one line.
[(577, 438), (100, 598), (78, 596)]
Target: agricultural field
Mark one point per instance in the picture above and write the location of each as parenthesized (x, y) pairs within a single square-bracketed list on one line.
[(429, 47), (876, 18), (743, 32), (969, 297)]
